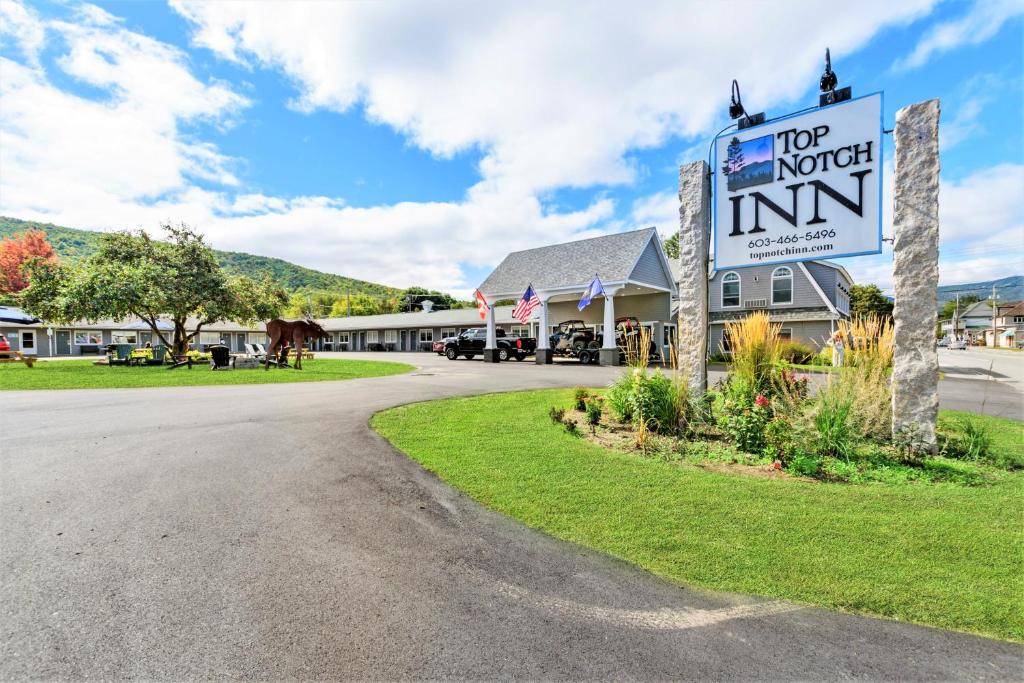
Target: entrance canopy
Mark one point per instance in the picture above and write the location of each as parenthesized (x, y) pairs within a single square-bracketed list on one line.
[(634, 262)]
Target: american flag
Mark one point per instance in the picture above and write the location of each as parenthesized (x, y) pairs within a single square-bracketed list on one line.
[(525, 307)]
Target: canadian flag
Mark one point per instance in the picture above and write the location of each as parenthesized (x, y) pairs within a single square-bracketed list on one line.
[(481, 304)]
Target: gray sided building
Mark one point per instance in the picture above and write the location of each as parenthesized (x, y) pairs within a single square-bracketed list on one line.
[(807, 300)]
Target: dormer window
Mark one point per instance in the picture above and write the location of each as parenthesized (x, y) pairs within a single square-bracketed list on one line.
[(782, 285), (731, 290)]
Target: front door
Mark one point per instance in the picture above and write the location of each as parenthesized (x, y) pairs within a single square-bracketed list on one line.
[(28, 342), (63, 342)]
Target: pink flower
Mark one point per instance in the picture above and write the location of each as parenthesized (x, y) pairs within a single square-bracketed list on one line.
[(761, 401)]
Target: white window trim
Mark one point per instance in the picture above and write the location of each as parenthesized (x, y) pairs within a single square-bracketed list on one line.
[(430, 335), (739, 290), (792, 286), (371, 336), (448, 332), (218, 335), (343, 337), (96, 333), (519, 331), (133, 333), (390, 336), (665, 336)]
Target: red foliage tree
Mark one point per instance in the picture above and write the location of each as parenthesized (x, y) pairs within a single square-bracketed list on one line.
[(18, 250)]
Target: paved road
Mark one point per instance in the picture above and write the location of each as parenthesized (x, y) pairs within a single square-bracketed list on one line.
[(266, 532)]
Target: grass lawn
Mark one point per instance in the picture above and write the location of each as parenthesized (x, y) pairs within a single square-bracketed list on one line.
[(75, 374), (941, 554)]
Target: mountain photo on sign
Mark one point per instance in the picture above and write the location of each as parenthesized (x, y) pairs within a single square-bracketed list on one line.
[(749, 162)]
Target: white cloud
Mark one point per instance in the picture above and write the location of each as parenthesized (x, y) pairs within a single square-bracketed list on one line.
[(981, 229), (982, 22), (553, 96)]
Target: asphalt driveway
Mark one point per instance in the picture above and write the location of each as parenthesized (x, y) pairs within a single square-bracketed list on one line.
[(267, 532)]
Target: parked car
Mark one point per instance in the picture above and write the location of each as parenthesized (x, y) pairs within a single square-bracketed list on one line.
[(471, 343), (957, 345), (942, 343), (5, 347), (438, 345)]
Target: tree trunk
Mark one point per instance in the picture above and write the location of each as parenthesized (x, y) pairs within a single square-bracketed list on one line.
[(180, 338)]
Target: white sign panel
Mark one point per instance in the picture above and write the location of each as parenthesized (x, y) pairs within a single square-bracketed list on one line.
[(807, 186)]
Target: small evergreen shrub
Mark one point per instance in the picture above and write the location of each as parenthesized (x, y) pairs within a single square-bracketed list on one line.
[(571, 427), (557, 415)]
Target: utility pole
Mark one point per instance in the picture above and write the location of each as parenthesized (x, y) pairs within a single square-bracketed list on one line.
[(956, 318), (995, 342)]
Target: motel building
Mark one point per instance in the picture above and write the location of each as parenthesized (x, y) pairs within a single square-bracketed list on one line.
[(807, 300)]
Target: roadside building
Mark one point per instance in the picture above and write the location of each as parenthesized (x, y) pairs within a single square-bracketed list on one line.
[(91, 338)]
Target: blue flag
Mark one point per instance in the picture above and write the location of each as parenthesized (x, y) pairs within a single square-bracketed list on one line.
[(593, 290)]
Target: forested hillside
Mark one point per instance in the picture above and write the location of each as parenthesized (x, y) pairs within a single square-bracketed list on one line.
[(72, 244)]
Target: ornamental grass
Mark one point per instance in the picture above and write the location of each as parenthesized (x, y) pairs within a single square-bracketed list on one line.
[(756, 351)]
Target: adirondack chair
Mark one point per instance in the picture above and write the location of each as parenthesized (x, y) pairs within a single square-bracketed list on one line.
[(251, 350), (159, 356), (119, 354), (260, 349)]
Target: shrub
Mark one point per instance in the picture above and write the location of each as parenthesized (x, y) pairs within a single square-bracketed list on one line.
[(796, 352), (869, 341), (593, 408), (571, 427), (743, 415), (822, 358), (804, 465), (557, 415), (832, 422), (652, 401), (580, 398), (755, 350), (780, 440)]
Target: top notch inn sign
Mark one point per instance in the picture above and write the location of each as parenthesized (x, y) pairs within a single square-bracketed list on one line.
[(807, 186)]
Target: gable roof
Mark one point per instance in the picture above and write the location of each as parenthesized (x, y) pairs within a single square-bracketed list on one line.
[(572, 265)]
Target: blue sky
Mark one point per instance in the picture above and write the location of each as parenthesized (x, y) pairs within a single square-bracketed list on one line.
[(419, 144)]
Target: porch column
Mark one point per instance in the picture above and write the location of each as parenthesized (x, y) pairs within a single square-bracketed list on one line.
[(609, 351), (543, 356), (491, 349)]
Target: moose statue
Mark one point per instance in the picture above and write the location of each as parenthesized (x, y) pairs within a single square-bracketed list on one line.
[(295, 331)]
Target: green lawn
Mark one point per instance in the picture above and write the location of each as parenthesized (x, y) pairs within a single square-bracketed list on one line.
[(940, 554), (75, 374)]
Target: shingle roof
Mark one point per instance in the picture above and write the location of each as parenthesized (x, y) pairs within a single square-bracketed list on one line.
[(571, 264)]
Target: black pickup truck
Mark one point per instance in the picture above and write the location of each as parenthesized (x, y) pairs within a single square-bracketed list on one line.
[(472, 342)]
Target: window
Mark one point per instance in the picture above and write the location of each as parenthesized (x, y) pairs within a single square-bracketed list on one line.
[(726, 341), (371, 336), (669, 335), (730, 290), (1018, 319), (786, 333), (126, 337), (448, 332), (782, 286), (390, 336), (85, 338), (426, 336), (256, 337), (520, 330), (343, 337), (209, 338)]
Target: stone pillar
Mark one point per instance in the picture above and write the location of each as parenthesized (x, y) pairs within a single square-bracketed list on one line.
[(694, 241), (609, 351), (543, 356), (915, 373), (491, 349)]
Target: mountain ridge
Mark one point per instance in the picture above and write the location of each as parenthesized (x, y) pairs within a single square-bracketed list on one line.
[(74, 244)]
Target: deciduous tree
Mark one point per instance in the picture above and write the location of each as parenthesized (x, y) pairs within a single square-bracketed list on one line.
[(868, 299), (135, 275), (16, 253)]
